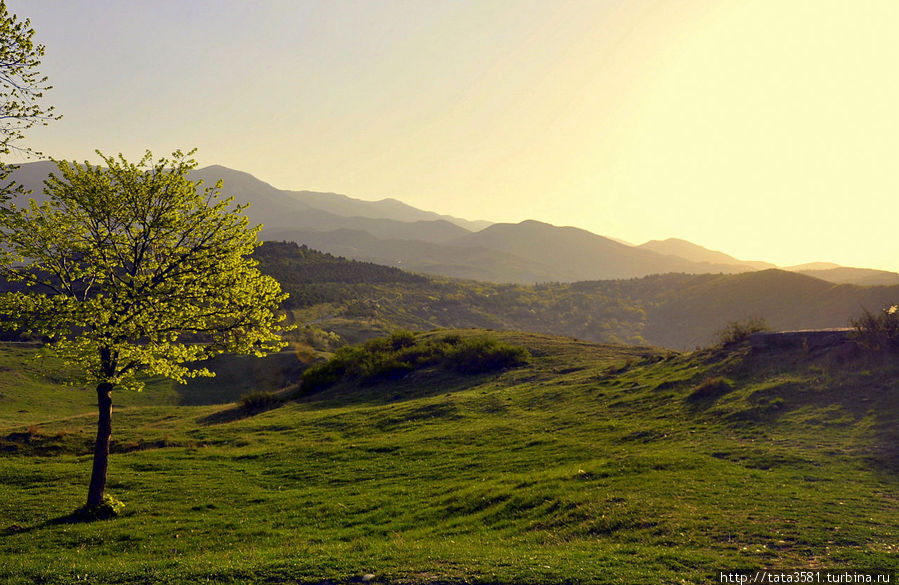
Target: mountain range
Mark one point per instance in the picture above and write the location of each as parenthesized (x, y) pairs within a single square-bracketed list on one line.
[(393, 233)]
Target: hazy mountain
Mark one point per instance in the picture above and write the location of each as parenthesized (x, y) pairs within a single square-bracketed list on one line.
[(393, 233), (279, 209), (576, 254), (845, 275), (686, 310), (696, 253), (383, 209), (32, 177), (787, 300), (811, 266), (474, 263), (244, 185), (860, 276), (292, 225)]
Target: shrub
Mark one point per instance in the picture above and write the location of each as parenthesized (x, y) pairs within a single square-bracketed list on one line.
[(260, 400), (320, 376), (483, 354), (737, 331), (400, 339), (383, 367), (878, 331), (394, 356)]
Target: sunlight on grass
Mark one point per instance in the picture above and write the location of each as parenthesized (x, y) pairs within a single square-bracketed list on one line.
[(592, 464)]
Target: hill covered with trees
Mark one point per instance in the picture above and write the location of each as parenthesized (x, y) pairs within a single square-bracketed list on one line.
[(359, 300), (313, 277)]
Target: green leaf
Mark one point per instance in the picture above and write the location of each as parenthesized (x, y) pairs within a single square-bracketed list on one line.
[(133, 270)]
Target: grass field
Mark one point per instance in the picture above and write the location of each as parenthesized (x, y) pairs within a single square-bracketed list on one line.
[(591, 464)]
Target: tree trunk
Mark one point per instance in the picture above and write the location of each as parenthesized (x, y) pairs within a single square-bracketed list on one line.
[(101, 449)]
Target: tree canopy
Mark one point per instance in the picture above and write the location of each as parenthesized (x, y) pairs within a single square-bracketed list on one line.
[(133, 269), (21, 85)]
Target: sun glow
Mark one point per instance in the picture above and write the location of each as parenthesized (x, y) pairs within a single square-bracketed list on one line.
[(766, 129)]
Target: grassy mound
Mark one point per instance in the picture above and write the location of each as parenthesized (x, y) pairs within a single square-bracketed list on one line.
[(402, 352), (588, 464)]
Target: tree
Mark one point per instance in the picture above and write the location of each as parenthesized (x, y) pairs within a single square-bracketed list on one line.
[(133, 270), (21, 85)]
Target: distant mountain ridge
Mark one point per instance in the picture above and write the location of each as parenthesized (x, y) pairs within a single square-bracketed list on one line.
[(471, 263), (696, 253), (396, 234), (860, 276), (577, 254), (339, 205)]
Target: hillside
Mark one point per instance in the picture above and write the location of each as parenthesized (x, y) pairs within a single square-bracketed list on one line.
[(862, 276), (679, 311), (473, 263), (312, 277), (592, 464), (786, 300), (357, 300)]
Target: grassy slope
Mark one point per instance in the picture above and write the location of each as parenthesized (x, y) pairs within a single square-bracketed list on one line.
[(595, 464), (31, 392)]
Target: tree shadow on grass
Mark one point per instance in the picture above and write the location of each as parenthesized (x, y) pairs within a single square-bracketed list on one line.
[(80, 516), (422, 383), (235, 413)]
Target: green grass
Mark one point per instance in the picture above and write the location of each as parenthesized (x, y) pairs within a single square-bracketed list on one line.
[(31, 392), (590, 464)]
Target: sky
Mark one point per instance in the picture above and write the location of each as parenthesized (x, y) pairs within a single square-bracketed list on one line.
[(767, 129)]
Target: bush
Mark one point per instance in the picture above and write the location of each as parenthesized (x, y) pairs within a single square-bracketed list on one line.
[(737, 331), (320, 376), (400, 339), (383, 367), (483, 354), (878, 331), (260, 400), (395, 356), (451, 339)]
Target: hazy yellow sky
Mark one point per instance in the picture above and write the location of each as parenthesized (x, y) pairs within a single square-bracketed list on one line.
[(765, 129)]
